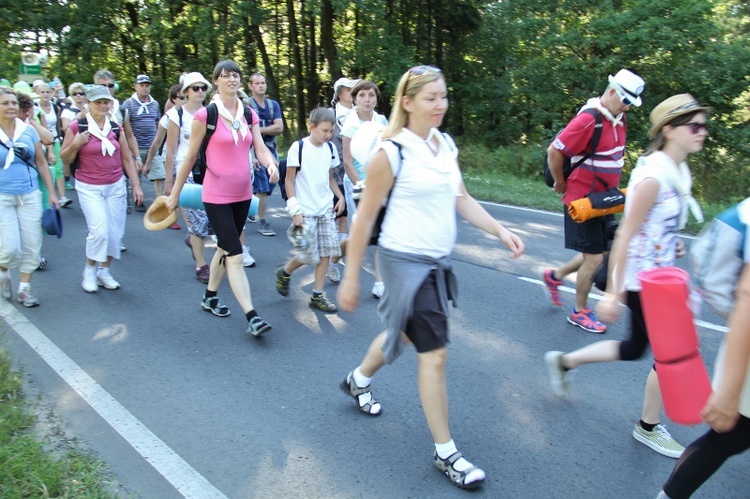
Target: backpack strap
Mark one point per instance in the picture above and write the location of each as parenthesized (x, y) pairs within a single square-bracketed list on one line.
[(212, 117), (594, 139), (299, 145), (248, 115)]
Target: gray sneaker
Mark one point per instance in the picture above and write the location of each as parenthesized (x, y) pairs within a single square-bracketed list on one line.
[(265, 228), (27, 299), (658, 439), (556, 373)]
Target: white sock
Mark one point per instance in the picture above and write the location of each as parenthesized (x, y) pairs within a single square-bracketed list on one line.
[(23, 286), (448, 449), (360, 379), (90, 269), (5, 273), (103, 270)]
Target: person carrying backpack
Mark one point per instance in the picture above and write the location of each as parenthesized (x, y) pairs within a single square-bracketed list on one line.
[(597, 173), (227, 190), (309, 191), (656, 209), (727, 410)]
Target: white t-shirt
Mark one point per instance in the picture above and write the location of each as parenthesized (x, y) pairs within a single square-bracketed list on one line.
[(69, 114), (350, 127), (312, 184), (50, 120), (655, 242), (184, 138), (421, 215)]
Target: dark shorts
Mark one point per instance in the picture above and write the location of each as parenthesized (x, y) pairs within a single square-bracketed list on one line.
[(228, 221), (427, 328), (345, 213), (261, 185), (587, 237)]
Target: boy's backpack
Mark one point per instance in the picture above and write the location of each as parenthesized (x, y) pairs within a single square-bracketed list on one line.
[(212, 117), (83, 126), (282, 167), (718, 257), (567, 166)]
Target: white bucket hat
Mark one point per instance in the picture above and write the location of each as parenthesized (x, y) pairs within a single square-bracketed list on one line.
[(191, 79)]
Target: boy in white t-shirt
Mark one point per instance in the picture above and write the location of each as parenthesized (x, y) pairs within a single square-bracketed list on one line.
[(310, 186)]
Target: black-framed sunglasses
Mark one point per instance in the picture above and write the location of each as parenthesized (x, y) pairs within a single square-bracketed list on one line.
[(199, 88), (695, 128), (420, 70), (78, 93), (181, 97), (109, 85)]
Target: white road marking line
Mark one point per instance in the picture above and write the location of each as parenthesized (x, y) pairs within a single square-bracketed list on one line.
[(699, 323), (167, 462)]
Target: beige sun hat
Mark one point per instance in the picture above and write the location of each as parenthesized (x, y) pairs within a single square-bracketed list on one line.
[(671, 108), (158, 216)]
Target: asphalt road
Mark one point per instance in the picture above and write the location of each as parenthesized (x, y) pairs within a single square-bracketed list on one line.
[(181, 403)]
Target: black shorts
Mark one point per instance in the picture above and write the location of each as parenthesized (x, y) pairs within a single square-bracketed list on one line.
[(228, 221), (588, 237), (427, 328)]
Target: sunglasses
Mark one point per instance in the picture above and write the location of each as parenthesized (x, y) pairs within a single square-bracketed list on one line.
[(420, 70), (109, 85), (199, 88), (695, 128), (78, 93), (181, 97)]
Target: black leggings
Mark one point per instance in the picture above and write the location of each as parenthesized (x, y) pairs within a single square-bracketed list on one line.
[(633, 347), (228, 221), (703, 457)]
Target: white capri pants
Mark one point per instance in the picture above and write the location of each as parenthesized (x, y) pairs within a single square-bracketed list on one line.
[(105, 209), (21, 231)]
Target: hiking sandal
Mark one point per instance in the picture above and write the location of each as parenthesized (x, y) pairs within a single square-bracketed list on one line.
[(457, 478), (350, 388)]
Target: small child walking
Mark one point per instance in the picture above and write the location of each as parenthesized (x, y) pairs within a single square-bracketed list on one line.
[(310, 203)]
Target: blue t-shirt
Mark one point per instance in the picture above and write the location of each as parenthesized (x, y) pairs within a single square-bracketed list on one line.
[(266, 119), (20, 178)]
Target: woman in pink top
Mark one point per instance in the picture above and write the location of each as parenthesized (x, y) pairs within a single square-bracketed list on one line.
[(101, 185), (227, 188)]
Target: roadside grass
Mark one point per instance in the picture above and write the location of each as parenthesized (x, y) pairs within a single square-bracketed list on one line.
[(27, 468)]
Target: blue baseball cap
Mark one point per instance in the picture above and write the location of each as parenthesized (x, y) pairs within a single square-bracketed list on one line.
[(52, 222)]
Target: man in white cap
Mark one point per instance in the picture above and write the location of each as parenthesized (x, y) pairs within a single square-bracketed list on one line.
[(597, 173)]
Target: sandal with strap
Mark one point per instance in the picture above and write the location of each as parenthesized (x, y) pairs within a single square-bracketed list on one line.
[(458, 478), (350, 388)]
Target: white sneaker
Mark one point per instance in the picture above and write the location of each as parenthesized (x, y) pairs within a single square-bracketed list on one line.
[(377, 289), (123, 247), (65, 202), (89, 282), (106, 280), (333, 274), (247, 258)]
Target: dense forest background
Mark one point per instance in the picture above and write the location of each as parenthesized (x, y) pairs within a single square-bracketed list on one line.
[(517, 70)]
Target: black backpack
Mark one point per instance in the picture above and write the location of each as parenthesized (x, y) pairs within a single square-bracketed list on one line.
[(83, 126), (567, 166), (212, 117), (282, 168)]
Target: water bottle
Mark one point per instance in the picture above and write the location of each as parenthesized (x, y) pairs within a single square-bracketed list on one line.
[(357, 191)]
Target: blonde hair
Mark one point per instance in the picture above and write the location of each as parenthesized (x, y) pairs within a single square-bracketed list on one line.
[(76, 86), (408, 86)]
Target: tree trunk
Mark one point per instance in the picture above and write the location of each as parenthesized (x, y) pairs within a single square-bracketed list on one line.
[(297, 65), (326, 39)]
